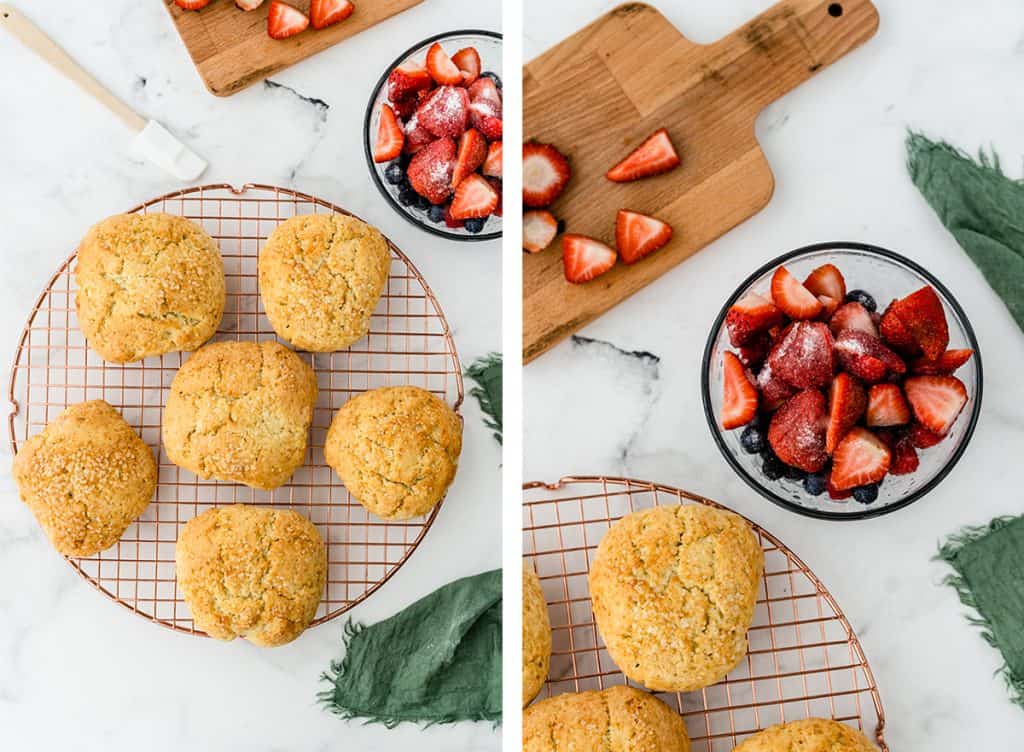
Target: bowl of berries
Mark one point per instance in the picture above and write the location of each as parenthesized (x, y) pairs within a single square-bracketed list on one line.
[(829, 399), (433, 132)]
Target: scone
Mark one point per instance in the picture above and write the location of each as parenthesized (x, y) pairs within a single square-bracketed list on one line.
[(396, 450), (321, 276), (86, 478), (240, 411), (811, 735), (251, 572), (148, 284), (618, 718), (536, 636), (673, 591)]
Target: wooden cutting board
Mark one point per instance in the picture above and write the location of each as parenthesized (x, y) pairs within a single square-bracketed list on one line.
[(602, 91), (231, 49)]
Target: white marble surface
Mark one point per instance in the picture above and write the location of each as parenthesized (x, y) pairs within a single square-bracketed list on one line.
[(836, 147), (76, 671)]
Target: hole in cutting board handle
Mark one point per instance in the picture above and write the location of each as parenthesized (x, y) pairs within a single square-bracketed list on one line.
[(835, 10)]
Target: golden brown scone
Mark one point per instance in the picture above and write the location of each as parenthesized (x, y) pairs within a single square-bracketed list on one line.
[(673, 591), (86, 478), (811, 735), (618, 719), (321, 276), (536, 636), (251, 572), (240, 411), (396, 450), (148, 284)]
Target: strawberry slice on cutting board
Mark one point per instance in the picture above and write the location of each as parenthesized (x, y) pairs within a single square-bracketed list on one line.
[(191, 4), (655, 156), (584, 258), (638, 235), (324, 13), (739, 395), (545, 174), (284, 20), (539, 230)]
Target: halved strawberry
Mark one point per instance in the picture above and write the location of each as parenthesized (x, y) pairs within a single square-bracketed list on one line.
[(484, 93), (803, 355), (866, 357), (936, 400), (497, 186), (754, 352), (390, 138), (472, 153), (904, 457), (445, 112), (774, 391), (827, 280), (638, 235), (795, 300), (923, 437), (834, 493), (492, 164), (797, 431), (467, 60), (739, 395), (324, 13), (887, 406), (847, 401), (545, 174), (451, 221), (944, 365), (416, 136), (248, 4), (191, 4), (492, 127), (861, 458), (750, 316), (441, 67), (408, 78), (853, 316), (896, 334), (654, 156), (828, 307), (430, 171), (922, 315), (539, 229), (584, 258), (474, 198), (284, 20)]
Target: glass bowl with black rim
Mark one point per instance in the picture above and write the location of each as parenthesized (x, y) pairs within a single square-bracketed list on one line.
[(885, 276), (393, 185)]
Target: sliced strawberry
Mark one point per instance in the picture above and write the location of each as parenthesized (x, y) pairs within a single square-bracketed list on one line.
[(828, 307), (904, 457), (861, 458), (430, 171), (945, 364), (797, 431), (795, 300), (896, 334), (866, 357), (887, 406), (853, 316), (492, 164), (485, 96), (545, 174), (922, 315), (754, 353), (654, 156), (802, 356), (496, 184), (191, 4), (827, 280), (539, 230), (774, 390), (750, 316), (408, 78), (936, 400), (406, 106), (474, 198), (472, 153), (248, 4), (923, 437), (324, 13), (492, 127), (390, 138), (638, 235), (739, 395), (445, 112), (416, 136), (834, 493), (284, 21), (467, 60), (847, 401), (451, 221), (584, 258), (441, 67)]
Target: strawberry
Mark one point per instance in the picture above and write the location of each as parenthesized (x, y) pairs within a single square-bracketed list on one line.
[(284, 20), (472, 153), (445, 112), (797, 431), (491, 127), (936, 400), (887, 406), (754, 353), (847, 401), (750, 316), (827, 280), (795, 300), (390, 138), (406, 106), (191, 4), (408, 78), (492, 164), (637, 235), (922, 315), (324, 13), (539, 229), (474, 198), (852, 316), (944, 365), (828, 307), (834, 493), (654, 156), (545, 174), (248, 4), (904, 457), (451, 221), (866, 357), (802, 356), (861, 458), (485, 95), (585, 258), (496, 185), (774, 391), (430, 171), (739, 395), (467, 60), (923, 437), (441, 67), (416, 136), (896, 334)]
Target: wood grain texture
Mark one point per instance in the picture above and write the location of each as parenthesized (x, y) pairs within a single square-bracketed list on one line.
[(231, 49), (599, 93)]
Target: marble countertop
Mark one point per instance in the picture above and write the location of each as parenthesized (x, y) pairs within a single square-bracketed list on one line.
[(628, 398), (76, 671)]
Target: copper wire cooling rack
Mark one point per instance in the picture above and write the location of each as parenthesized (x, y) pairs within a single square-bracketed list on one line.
[(804, 659), (408, 343)]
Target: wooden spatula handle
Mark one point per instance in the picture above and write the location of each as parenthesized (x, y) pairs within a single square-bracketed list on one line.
[(32, 37)]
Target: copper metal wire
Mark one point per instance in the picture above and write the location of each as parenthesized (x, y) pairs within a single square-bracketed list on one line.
[(803, 661), (409, 343)]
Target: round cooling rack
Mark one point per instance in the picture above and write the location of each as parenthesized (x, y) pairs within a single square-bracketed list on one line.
[(409, 342), (804, 660)]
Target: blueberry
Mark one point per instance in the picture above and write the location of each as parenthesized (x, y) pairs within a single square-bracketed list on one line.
[(814, 484), (474, 225), (772, 467), (407, 196), (859, 296), (422, 203), (436, 213), (394, 173), (866, 494), (752, 439), (493, 76)]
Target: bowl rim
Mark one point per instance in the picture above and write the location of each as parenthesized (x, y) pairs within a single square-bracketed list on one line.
[(368, 116), (867, 512)]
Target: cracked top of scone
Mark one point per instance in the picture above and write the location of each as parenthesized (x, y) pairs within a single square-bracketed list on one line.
[(396, 450), (321, 276), (240, 411), (673, 591), (536, 635), (811, 735), (86, 478), (148, 284), (618, 718), (251, 572)]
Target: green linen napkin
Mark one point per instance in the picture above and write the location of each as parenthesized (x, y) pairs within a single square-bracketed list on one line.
[(486, 372), (988, 566), (438, 661), (980, 206)]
